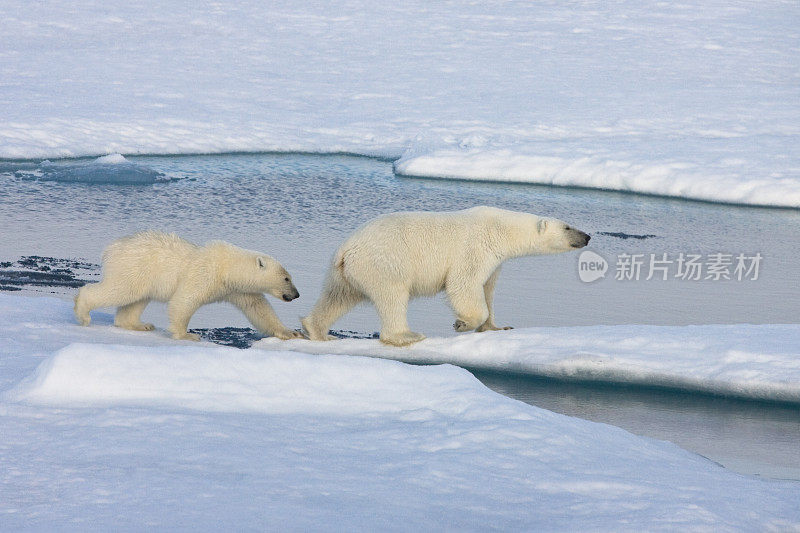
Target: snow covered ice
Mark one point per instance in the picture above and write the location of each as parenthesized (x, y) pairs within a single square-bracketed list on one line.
[(758, 362), (711, 181), (133, 431), (691, 100)]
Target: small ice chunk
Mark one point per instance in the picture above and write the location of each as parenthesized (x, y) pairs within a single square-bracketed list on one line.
[(109, 169)]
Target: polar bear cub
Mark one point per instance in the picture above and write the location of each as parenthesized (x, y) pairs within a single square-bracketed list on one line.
[(158, 266), (403, 255)]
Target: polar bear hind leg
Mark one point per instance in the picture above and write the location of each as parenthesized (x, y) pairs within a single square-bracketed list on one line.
[(337, 298), (102, 294), (391, 302), (128, 316)]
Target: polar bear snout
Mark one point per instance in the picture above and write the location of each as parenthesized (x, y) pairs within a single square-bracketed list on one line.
[(291, 295), (579, 239)]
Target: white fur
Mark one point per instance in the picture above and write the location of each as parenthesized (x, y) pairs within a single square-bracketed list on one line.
[(163, 267), (403, 255)]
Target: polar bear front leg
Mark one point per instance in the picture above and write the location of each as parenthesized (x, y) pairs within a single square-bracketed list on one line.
[(180, 309), (488, 291), (469, 304), (392, 306), (260, 313)]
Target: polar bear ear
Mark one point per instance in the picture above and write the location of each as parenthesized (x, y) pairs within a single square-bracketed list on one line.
[(541, 225)]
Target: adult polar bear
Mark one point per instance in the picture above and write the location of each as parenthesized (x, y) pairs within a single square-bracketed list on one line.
[(161, 266), (402, 255)]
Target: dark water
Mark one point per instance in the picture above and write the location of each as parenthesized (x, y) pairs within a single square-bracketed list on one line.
[(298, 208), (759, 438)]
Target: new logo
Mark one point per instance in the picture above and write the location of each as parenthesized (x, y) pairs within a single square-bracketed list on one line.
[(591, 266)]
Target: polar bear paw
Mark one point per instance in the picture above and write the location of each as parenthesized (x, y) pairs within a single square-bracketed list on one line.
[(186, 336), (401, 339), (80, 312), (462, 325), (314, 332), (139, 326), (492, 327), (288, 334)]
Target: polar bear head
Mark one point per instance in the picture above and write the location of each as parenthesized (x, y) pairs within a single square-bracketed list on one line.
[(246, 271), (272, 278), (554, 236)]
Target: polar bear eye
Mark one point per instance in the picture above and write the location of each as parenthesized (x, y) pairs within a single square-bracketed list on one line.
[(285, 279), (567, 228)]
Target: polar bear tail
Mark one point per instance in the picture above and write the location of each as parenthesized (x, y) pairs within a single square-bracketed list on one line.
[(338, 264), (339, 283)]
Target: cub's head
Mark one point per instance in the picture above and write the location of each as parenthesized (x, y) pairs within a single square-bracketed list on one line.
[(272, 278), (557, 236)]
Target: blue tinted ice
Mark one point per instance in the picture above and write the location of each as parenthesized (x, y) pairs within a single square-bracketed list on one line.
[(110, 169)]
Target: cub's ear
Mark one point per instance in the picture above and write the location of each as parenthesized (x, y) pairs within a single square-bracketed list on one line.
[(541, 225), (261, 262)]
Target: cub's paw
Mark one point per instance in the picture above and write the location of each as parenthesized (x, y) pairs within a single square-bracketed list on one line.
[(82, 316), (462, 326), (287, 334), (186, 336)]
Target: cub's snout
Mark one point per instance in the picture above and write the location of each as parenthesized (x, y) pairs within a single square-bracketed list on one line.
[(291, 294)]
